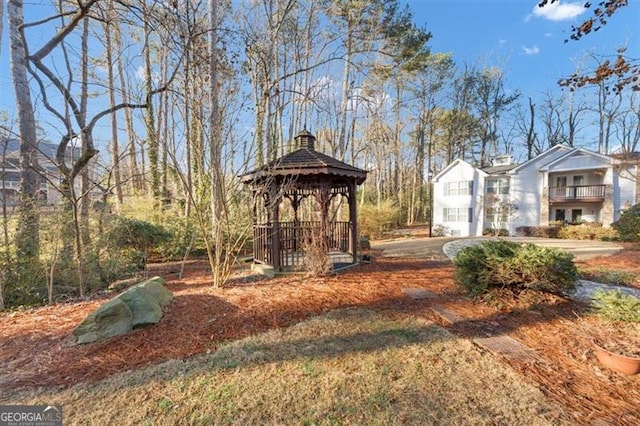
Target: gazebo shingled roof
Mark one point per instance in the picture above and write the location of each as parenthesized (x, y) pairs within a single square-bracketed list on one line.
[(295, 176), (305, 160)]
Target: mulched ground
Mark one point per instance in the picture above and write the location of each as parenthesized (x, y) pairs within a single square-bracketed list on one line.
[(36, 350)]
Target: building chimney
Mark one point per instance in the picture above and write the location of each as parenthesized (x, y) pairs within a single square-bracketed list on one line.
[(501, 160), (305, 140)]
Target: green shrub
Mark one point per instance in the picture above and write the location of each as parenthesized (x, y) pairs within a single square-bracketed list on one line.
[(515, 266), (609, 276), (628, 225), (373, 221), (587, 232), (616, 306), (137, 234)]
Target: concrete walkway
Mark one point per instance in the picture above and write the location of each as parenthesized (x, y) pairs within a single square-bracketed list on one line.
[(441, 248), (581, 249)]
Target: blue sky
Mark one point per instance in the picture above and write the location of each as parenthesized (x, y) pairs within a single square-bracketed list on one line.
[(526, 41)]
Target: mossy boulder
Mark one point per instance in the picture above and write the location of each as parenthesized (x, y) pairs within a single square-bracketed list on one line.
[(158, 290), (144, 307), (114, 318), (139, 305)]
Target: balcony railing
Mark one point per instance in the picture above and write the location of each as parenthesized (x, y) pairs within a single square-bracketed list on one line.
[(593, 193)]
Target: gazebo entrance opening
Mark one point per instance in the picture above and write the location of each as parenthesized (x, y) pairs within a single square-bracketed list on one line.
[(305, 207)]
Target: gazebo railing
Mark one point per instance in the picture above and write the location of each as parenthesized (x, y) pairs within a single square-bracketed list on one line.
[(294, 237)]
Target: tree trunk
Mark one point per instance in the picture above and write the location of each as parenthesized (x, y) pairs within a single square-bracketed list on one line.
[(132, 163), (152, 139), (531, 136), (115, 149), (215, 151), (27, 239)]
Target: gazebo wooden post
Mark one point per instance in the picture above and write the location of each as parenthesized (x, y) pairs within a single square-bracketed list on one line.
[(295, 202), (274, 199), (324, 199), (353, 221)]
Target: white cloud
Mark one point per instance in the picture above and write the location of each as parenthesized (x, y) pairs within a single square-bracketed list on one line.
[(533, 50), (559, 11), (502, 42), (548, 35), (141, 74)]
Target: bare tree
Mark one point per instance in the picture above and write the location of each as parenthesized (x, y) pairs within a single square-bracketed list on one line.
[(492, 99), (109, 23), (27, 239)]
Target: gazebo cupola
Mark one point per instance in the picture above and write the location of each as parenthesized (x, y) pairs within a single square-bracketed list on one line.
[(293, 198), (305, 139)]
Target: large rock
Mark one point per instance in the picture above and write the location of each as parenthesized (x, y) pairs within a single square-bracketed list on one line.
[(139, 305), (144, 307), (114, 318), (156, 287)]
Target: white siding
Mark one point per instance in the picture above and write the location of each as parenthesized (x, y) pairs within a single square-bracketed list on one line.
[(461, 172), (527, 186), (625, 191), (579, 161)]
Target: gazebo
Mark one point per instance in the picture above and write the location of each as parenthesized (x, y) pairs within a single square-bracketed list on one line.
[(292, 199)]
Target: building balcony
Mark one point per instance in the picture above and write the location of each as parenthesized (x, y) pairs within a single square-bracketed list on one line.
[(584, 193)]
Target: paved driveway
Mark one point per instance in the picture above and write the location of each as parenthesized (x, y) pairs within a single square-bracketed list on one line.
[(443, 248), (432, 248)]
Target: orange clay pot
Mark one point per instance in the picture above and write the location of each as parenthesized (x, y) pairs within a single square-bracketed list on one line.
[(620, 363)]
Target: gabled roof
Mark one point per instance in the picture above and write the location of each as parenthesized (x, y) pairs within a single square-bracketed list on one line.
[(498, 170), (454, 164), (11, 148), (539, 156), (573, 152)]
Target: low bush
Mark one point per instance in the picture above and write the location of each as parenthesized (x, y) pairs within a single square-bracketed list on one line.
[(538, 231), (608, 276), (317, 260), (628, 225), (587, 232), (496, 232), (440, 231), (373, 221), (506, 264), (616, 306)]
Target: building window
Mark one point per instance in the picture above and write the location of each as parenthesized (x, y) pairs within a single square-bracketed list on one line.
[(576, 215), (498, 186), (464, 187), (578, 180), (457, 214), (496, 216), (561, 181)]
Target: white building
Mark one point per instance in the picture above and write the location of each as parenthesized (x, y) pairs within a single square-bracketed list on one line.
[(49, 174), (563, 184)]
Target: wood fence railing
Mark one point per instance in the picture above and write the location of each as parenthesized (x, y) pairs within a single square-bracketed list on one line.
[(580, 192), (294, 237)]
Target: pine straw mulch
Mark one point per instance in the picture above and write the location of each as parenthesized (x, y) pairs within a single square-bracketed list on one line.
[(36, 348)]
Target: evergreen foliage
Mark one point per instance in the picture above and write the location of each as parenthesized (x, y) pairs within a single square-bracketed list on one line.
[(506, 264), (616, 306), (628, 226)]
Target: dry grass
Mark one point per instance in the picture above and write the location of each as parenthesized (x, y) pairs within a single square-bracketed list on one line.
[(350, 366)]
